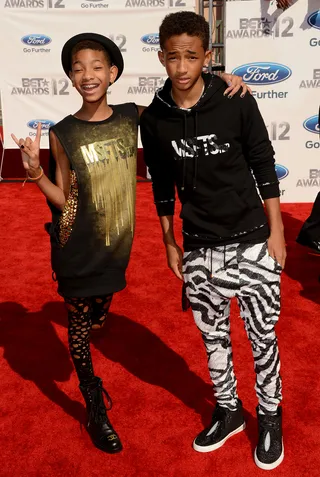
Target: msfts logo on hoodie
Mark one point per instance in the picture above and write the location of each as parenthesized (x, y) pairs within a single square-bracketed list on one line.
[(206, 144)]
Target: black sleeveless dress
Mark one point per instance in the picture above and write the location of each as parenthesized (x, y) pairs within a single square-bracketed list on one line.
[(91, 238)]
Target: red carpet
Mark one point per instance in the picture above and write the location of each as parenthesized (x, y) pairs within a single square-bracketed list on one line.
[(150, 356)]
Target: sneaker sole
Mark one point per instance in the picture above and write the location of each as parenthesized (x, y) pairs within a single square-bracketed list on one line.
[(272, 466), (214, 447)]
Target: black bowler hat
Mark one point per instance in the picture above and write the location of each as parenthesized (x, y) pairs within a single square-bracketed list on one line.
[(109, 45)]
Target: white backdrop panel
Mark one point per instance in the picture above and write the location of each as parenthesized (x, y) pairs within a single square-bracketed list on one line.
[(278, 54)]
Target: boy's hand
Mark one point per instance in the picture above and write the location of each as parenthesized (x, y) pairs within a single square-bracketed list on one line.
[(235, 83), (30, 150), (277, 247), (174, 257)]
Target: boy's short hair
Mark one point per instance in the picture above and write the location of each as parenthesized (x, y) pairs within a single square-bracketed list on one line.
[(184, 22), (91, 45)]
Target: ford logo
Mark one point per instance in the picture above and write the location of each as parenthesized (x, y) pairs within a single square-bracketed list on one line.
[(151, 39), (46, 123), (36, 39), (281, 171), (263, 73), (312, 124), (314, 20)]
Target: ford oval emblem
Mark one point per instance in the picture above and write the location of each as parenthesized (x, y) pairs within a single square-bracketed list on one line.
[(35, 39), (151, 39), (314, 19), (281, 171), (263, 73), (312, 124), (46, 124)]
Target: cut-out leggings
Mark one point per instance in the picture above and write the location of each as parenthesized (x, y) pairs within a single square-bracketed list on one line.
[(84, 315)]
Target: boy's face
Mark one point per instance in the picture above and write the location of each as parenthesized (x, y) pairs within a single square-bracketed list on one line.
[(91, 74), (184, 57)]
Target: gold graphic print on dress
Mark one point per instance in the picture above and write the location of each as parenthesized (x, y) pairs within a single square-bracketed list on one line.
[(69, 212), (112, 168)]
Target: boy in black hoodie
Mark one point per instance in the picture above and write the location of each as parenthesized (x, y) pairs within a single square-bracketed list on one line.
[(215, 152)]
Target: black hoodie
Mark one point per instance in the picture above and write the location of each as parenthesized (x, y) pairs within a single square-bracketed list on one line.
[(215, 154)]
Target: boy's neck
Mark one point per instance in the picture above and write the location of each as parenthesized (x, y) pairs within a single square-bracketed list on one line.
[(94, 111), (187, 99)]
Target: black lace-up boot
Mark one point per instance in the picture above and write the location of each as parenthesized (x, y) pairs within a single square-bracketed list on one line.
[(99, 427)]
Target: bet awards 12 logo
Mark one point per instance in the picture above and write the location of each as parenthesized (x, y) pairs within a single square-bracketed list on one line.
[(155, 4), (312, 181), (34, 4), (262, 27), (279, 131), (313, 82), (41, 86), (147, 85)]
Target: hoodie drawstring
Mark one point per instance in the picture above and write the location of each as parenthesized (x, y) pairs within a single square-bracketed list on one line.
[(196, 153), (184, 151), (195, 160)]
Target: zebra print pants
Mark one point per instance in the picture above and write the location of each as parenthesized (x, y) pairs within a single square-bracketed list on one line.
[(249, 273)]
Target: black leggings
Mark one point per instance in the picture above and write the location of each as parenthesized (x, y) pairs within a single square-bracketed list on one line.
[(84, 315)]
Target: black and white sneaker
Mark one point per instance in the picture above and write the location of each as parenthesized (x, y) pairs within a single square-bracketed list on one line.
[(269, 452), (224, 424)]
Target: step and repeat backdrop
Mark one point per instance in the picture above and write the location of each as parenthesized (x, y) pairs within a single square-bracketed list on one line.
[(32, 32), (278, 54)]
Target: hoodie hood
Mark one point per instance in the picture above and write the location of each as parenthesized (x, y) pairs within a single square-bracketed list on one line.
[(212, 84)]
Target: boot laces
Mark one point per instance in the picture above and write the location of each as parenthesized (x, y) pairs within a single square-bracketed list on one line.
[(98, 408)]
